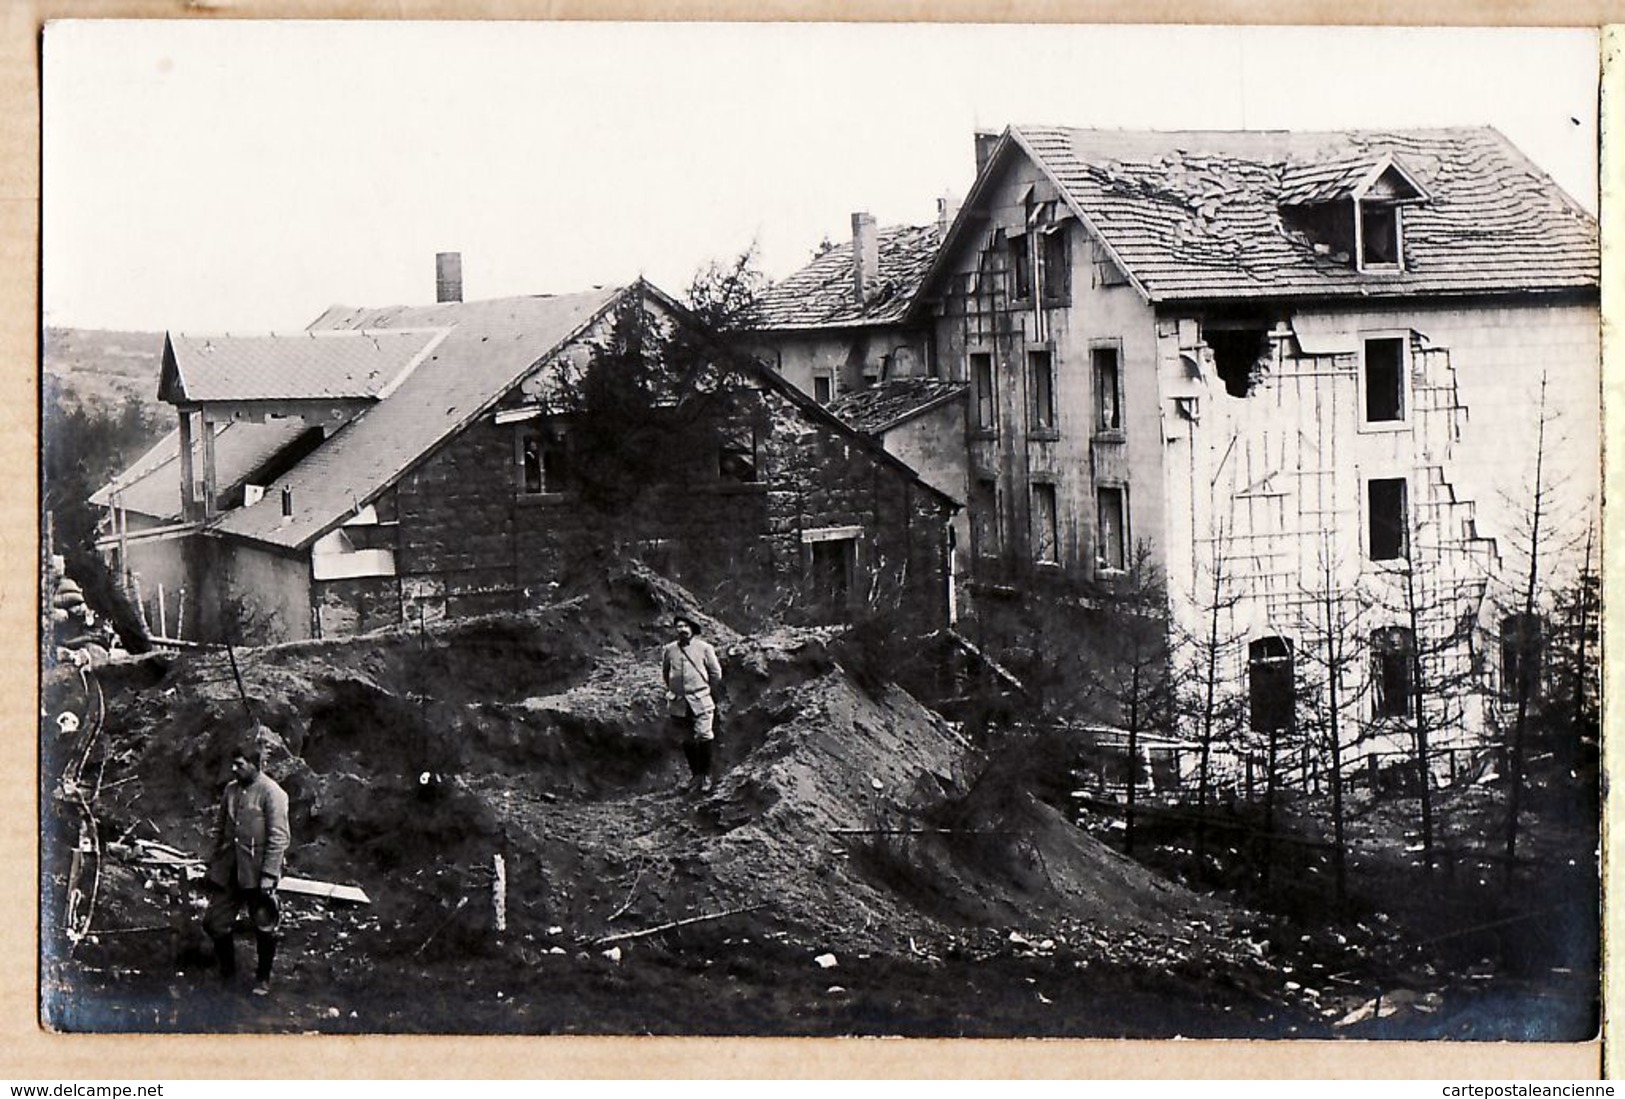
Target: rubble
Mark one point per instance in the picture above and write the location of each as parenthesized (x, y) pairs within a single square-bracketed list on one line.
[(850, 825)]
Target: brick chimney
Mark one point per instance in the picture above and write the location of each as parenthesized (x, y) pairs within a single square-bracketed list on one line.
[(947, 210), (448, 276), (985, 140), (865, 255)]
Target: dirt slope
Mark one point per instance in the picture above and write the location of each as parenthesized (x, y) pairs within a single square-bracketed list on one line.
[(845, 820)]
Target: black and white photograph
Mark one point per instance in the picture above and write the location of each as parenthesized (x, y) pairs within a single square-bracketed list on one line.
[(820, 530)]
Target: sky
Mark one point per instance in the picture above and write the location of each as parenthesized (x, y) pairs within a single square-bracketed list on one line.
[(237, 176)]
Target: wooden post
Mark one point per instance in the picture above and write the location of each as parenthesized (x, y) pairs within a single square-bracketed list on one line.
[(209, 479), (499, 891), (188, 503), (140, 605), (163, 618)]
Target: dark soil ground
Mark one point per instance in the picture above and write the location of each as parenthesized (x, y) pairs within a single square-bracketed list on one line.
[(861, 868)]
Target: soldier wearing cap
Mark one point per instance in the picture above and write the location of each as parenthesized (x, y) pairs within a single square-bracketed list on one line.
[(251, 838), (693, 678)]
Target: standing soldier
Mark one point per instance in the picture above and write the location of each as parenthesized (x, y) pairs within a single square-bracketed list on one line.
[(693, 679), (250, 842)]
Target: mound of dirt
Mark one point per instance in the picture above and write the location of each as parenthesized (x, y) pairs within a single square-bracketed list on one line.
[(518, 770)]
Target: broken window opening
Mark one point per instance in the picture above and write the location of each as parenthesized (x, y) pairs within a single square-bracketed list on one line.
[(823, 389), (1379, 235), (736, 453), (1385, 380), (981, 368), (833, 566), (984, 516), (1108, 389), (544, 458), (1041, 371), (1271, 685), (1387, 519), (1391, 657), (1521, 645), (1055, 266), (1240, 356), (1112, 530), (1021, 268), (1046, 533)]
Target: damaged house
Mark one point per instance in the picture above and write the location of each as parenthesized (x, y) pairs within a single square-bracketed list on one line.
[(837, 329), (1276, 366), (397, 465)]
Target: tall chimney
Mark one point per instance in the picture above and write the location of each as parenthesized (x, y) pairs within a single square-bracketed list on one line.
[(865, 255), (448, 276), (985, 140), (947, 210)]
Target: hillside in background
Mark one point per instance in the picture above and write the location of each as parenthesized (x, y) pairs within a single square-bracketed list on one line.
[(98, 368)]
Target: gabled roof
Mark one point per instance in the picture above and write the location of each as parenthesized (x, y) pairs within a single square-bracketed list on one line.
[(820, 295), (152, 484), (1315, 182), (1197, 215), (880, 407), (490, 346), (310, 366)]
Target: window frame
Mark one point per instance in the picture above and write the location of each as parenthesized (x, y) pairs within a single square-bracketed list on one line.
[(1054, 244), (1384, 649), (827, 378), (1257, 660), (846, 544), (541, 429), (1035, 490), (733, 433), (1042, 416), (1512, 656), (1096, 349), (1020, 254), (1362, 263), (1103, 564), (1403, 337), (1403, 526), (984, 410), (986, 487)]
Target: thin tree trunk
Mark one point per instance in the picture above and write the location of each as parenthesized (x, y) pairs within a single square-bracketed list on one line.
[(1133, 755), (1419, 693), (1521, 722), (1334, 674)]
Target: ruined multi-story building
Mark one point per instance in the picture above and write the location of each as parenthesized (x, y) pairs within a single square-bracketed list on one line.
[(1275, 365), (404, 464)]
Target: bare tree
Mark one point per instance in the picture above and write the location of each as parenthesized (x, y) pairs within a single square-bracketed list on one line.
[(1135, 674), (1523, 631), (723, 293), (1213, 710), (1422, 675), (1335, 618)]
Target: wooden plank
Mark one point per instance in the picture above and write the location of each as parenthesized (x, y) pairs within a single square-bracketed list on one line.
[(306, 887)]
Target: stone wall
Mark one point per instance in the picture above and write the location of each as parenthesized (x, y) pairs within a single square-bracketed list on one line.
[(471, 541)]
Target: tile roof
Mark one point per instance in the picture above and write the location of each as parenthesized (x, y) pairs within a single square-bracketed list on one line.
[(491, 346), (293, 367), (1304, 184), (884, 405), (820, 295), (1196, 215), (152, 484)]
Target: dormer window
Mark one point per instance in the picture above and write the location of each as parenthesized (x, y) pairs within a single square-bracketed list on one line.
[(1352, 211), (1379, 235)]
